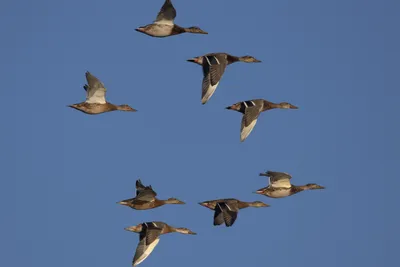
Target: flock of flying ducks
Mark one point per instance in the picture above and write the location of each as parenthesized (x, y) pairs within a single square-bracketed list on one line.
[(213, 65)]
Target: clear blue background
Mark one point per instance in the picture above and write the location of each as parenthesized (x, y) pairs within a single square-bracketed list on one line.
[(63, 171)]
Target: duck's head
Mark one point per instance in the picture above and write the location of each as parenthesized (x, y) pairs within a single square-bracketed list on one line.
[(236, 106), (126, 108), (286, 105), (173, 201), (249, 59), (314, 186), (258, 204), (183, 230), (195, 29)]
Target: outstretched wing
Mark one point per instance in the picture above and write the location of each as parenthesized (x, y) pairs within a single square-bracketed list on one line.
[(148, 240), (213, 68), (279, 179), (95, 90), (167, 14), (144, 193), (225, 212), (249, 120)]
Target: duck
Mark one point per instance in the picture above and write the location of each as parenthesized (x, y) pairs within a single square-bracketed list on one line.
[(150, 236), (214, 65), (146, 198), (280, 186), (164, 25), (251, 109), (226, 210), (96, 98)]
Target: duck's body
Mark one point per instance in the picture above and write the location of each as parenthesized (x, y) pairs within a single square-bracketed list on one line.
[(96, 98), (214, 65), (95, 108), (251, 109), (164, 25), (226, 210), (146, 199), (280, 186), (150, 236)]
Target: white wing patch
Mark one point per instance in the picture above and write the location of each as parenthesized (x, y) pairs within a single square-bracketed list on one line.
[(147, 252), (247, 130), (209, 93), (98, 97), (164, 22)]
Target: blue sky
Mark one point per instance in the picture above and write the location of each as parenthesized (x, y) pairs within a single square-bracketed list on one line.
[(63, 171)]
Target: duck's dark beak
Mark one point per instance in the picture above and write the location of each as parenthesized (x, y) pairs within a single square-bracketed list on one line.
[(140, 29), (293, 106), (230, 107), (194, 60), (257, 61)]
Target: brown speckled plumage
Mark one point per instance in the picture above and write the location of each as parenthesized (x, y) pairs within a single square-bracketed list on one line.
[(146, 199)]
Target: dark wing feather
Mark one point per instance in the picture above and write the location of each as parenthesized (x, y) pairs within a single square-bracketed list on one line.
[(228, 211), (218, 215), (167, 12), (213, 68), (146, 195), (152, 233), (93, 82), (249, 120), (144, 191), (250, 114), (145, 239)]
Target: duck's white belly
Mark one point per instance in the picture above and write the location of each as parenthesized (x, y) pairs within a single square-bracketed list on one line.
[(282, 192), (161, 30)]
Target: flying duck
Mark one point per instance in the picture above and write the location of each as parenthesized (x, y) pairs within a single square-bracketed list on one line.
[(280, 186), (146, 198), (214, 65), (251, 109), (164, 24), (96, 98), (150, 236), (226, 210)]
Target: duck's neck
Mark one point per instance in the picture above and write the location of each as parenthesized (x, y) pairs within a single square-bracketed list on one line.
[(269, 105), (168, 201), (243, 205), (158, 202), (298, 188), (232, 59), (171, 229)]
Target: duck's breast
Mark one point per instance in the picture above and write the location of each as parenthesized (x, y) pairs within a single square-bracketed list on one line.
[(160, 30), (278, 193)]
